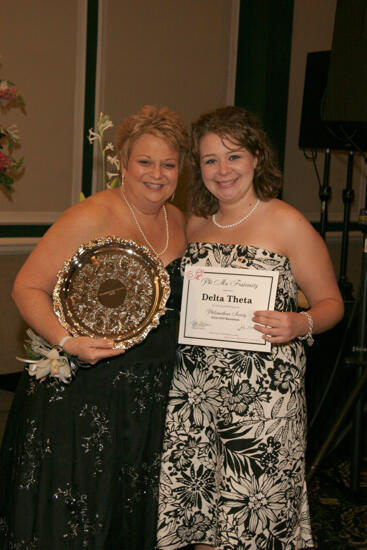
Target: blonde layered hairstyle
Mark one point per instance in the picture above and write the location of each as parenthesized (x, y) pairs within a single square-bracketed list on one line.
[(162, 123)]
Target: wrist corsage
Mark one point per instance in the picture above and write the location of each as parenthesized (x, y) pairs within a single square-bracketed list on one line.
[(44, 360)]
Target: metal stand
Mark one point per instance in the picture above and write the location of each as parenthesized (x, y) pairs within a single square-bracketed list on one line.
[(324, 194), (348, 197), (358, 361)]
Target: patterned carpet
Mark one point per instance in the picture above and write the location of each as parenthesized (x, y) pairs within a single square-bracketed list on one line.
[(338, 516)]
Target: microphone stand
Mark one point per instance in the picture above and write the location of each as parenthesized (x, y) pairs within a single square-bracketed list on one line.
[(324, 194), (358, 360), (348, 197)]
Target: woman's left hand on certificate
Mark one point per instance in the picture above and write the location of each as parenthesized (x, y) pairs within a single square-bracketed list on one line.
[(279, 327)]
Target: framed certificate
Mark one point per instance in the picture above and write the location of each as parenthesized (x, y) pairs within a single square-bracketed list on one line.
[(218, 305)]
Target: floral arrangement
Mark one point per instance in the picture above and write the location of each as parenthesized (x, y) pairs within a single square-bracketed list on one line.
[(9, 138), (45, 360), (110, 179), (8, 93)]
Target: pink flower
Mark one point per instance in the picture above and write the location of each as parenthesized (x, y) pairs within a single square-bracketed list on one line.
[(8, 93), (5, 161)]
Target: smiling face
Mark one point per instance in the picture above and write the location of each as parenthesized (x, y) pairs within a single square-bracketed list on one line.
[(227, 169), (152, 170)]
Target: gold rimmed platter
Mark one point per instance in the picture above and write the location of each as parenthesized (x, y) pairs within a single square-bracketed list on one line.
[(111, 288)]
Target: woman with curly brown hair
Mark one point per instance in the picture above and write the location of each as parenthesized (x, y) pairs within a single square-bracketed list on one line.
[(80, 460), (233, 471)]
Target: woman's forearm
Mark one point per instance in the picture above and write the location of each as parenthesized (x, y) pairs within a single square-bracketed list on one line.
[(36, 308), (326, 314)]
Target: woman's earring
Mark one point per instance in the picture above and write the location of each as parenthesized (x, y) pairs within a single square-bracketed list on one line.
[(172, 197), (122, 178)]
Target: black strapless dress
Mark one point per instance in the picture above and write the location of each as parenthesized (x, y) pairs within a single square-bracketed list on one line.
[(80, 463)]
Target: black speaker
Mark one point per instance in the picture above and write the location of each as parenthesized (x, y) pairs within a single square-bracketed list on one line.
[(346, 90), (314, 133)]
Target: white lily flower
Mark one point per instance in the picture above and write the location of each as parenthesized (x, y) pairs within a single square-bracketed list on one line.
[(92, 136), (13, 131), (104, 123), (112, 175), (60, 369), (40, 370), (114, 160)]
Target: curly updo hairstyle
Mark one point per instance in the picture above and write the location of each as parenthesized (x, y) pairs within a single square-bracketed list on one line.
[(240, 127), (159, 122)]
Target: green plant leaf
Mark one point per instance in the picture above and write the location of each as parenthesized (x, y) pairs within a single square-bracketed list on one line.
[(115, 183), (6, 181)]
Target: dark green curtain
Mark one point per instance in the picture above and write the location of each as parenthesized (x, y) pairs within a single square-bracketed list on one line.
[(90, 93), (264, 49)]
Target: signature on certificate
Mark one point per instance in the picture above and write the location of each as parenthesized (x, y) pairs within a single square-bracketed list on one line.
[(199, 324)]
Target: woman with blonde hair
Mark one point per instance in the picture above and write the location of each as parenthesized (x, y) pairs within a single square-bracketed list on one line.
[(80, 461)]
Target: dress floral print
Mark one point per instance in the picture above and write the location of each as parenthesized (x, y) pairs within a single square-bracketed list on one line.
[(233, 473)]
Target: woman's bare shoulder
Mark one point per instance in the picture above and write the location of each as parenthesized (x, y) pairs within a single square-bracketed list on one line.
[(285, 216), (88, 213), (293, 229), (80, 223)]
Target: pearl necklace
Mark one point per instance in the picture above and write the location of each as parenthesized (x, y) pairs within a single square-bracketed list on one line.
[(239, 221), (139, 226)]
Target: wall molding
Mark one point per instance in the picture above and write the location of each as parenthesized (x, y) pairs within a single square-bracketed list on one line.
[(18, 245), (28, 218)]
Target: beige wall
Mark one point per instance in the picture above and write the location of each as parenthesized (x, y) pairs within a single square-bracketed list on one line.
[(39, 53), (165, 53), (12, 327)]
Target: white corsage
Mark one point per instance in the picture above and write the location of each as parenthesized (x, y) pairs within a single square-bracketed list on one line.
[(45, 360)]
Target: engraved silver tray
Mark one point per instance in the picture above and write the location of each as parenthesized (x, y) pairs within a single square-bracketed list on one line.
[(111, 288)]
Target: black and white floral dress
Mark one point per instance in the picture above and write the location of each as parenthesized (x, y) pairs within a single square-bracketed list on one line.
[(233, 472)]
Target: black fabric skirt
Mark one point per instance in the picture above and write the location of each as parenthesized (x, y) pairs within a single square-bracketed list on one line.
[(80, 462)]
